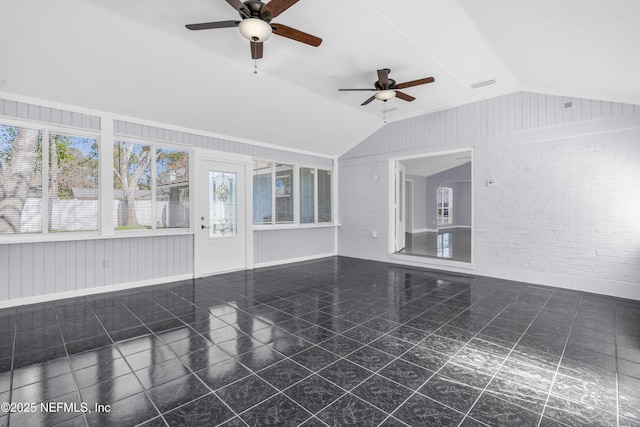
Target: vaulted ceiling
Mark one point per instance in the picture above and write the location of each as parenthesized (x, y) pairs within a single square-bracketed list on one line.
[(136, 58)]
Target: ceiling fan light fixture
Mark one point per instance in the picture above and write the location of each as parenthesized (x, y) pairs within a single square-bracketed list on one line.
[(255, 30), (385, 95)]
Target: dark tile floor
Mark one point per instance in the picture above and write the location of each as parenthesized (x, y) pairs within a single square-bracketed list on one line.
[(452, 243), (337, 341)]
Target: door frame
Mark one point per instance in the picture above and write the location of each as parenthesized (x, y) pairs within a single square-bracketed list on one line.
[(201, 154), (390, 203), (408, 201), (399, 207)]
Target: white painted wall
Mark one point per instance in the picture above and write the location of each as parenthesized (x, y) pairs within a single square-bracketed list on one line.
[(565, 211)]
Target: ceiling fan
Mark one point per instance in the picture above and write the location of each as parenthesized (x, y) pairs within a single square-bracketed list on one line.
[(256, 25), (386, 88)]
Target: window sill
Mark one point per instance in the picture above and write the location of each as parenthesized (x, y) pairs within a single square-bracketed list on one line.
[(78, 236), (259, 227)]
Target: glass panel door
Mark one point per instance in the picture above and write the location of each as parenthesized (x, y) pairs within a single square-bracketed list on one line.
[(223, 205)]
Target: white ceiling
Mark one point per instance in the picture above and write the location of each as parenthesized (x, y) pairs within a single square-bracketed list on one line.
[(431, 165), (136, 58)]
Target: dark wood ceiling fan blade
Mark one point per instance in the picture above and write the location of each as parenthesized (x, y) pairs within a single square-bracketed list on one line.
[(383, 77), (275, 8), (297, 35), (212, 25), (256, 50), (240, 7), (404, 96), (414, 83), (368, 100), (345, 90)]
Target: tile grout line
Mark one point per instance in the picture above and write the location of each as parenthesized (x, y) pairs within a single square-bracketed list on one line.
[(177, 358), (564, 349), (448, 360), (13, 353), (146, 392), (340, 358), (73, 372), (615, 349), (475, 336), (509, 354)]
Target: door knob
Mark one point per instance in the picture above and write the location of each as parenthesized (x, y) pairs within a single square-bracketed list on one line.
[(203, 226)]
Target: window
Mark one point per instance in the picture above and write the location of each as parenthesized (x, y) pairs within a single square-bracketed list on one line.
[(445, 198), (73, 183), (223, 204), (132, 185), (262, 192), (307, 195), (284, 193), (67, 200), (172, 188), (315, 196), (324, 196), (20, 180), (151, 187), (275, 194)]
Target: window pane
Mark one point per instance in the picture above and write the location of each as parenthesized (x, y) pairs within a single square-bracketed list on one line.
[(172, 188), (20, 180), (73, 183), (324, 196), (307, 195), (132, 185), (262, 192), (223, 205), (284, 193)]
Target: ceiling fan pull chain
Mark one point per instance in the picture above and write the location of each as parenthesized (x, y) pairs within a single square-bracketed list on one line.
[(255, 69)]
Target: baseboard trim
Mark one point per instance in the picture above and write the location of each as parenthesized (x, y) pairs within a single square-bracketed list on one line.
[(423, 230), (92, 291), (435, 263), (448, 227), (613, 288), (292, 260)]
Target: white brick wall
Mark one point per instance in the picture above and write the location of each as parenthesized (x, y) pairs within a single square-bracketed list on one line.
[(566, 209)]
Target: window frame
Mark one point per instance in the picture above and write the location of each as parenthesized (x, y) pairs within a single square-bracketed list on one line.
[(296, 223), (155, 145), (45, 235), (105, 141)]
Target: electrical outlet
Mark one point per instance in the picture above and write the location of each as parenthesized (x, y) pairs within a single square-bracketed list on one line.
[(374, 234), (106, 263)]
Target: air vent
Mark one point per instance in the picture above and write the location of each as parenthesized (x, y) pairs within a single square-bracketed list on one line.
[(567, 104), (485, 83)]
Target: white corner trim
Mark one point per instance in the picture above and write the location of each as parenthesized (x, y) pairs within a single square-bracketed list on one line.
[(92, 291), (292, 260)]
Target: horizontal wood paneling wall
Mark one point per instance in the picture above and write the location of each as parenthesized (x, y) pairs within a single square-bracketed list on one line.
[(135, 130), (32, 269), (278, 245), (35, 269), (21, 110), (503, 115)]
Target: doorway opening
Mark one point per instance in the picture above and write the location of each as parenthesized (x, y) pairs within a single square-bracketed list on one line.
[(433, 206)]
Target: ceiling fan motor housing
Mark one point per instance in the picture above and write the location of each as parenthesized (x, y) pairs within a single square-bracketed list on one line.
[(392, 84), (255, 6)]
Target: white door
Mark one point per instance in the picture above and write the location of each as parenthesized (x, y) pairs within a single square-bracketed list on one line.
[(221, 217), (400, 208), (408, 216)]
